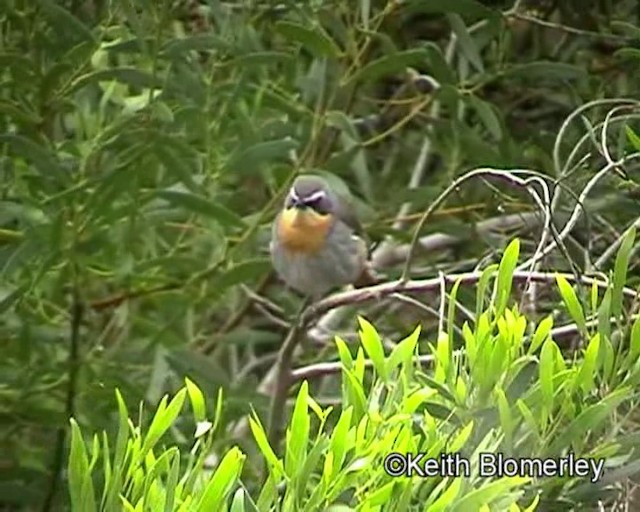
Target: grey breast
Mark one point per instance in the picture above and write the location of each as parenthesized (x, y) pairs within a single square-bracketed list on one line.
[(338, 264)]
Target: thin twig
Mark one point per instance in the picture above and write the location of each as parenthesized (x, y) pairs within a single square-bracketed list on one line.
[(283, 375), (510, 176), (571, 30), (611, 249), (561, 169), (578, 210), (73, 363)]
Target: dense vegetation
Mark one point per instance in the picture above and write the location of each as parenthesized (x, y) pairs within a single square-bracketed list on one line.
[(145, 147)]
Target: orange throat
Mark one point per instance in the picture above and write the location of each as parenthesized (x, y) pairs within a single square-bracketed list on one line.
[(303, 230)]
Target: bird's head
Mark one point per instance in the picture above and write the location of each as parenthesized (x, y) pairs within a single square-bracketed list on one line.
[(308, 214)]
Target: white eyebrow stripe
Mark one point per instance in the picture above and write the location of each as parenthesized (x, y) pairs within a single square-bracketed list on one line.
[(318, 194), (293, 194)]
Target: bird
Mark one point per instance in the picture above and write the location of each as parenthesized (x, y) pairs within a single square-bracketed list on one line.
[(317, 243)]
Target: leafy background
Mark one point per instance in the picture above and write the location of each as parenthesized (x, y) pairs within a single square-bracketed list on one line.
[(146, 146)]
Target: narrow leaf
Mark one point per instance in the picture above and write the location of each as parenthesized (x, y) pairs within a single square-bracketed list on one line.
[(620, 271), (313, 39), (202, 206)]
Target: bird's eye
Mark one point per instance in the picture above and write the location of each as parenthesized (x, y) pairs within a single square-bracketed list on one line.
[(318, 205)]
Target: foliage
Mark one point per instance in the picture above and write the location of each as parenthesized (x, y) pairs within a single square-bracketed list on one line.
[(504, 393), (145, 147), (134, 478)]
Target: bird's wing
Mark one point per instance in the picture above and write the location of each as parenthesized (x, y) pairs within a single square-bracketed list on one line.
[(346, 213)]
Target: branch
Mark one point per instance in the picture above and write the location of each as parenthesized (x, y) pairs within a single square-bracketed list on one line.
[(283, 376), (571, 30), (77, 313), (324, 369), (508, 175), (379, 291)]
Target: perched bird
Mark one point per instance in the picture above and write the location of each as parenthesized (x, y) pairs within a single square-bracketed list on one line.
[(315, 243)]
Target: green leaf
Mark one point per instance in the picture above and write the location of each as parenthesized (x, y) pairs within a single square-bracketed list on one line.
[(338, 445), (487, 115), (620, 271), (112, 493), (372, 345), (438, 65), (416, 399), (223, 480), (343, 352), (237, 504), (176, 48), (379, 496), (163, 419), (547, 371), (546, 70), (265, 58), (634, 343), (460, 439), (445, 500), (396, 63), (451, 314), (505, 275), (467, 45), (443, 352), (177, 157), (275, 465), (172, 484), (197, 400), (254, 158), (528, 417), (585, 377), (65, 22), (481, 289), (589, 420), (608, 358), (627, 53), (298, 433), (268, 494), (475, 499), (442, 390), (124, 75), (309, 469), (633, 137), (573, 305), (80, 479), (506, 417), (19, 113), (19, 64), (202, 206), (604, 314), (9, 298), (244, 272), (355, 393), (595, 291), (313, 39), (404, 351), (541, 334), (42, 158), (626, 27)]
